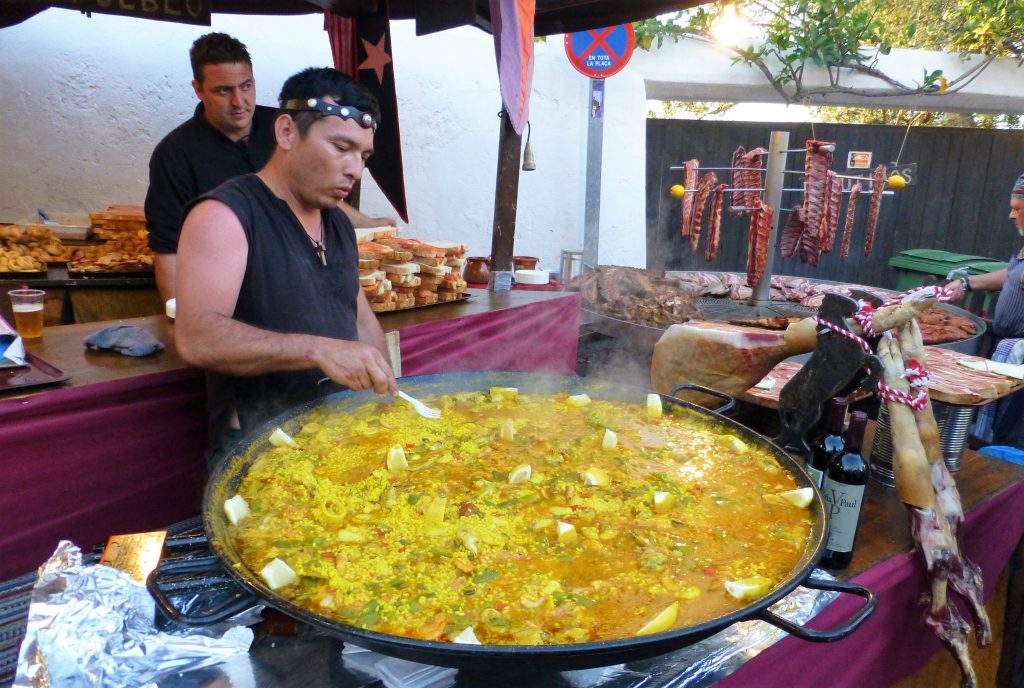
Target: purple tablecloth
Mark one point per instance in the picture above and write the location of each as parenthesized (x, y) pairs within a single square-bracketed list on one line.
[(541, 337), (83, 463), (894, 642)]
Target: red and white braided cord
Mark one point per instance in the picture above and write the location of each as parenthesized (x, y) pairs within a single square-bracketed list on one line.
[(916, 375)]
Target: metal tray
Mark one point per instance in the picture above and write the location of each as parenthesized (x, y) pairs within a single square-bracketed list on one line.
[(33, 274), (109, 274), (35, 372), (462, 297)]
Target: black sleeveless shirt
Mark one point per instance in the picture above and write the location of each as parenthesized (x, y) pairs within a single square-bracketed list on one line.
[(285, 289)]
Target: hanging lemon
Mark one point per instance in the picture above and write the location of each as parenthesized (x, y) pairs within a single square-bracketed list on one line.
[(678, 191), (896, 181)]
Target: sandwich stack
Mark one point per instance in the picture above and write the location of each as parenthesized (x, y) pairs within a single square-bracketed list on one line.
[(398, 273), (117, 221)]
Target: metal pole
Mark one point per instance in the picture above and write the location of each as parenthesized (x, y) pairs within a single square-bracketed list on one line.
[(777, 146), (592, 197)]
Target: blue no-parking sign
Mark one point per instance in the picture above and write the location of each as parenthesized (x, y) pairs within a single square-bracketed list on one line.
[(600, 53)]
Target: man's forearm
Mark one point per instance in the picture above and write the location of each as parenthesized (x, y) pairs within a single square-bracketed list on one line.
[(218, 342)]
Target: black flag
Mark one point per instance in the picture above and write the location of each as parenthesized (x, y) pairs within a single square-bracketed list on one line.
[(362, 49)]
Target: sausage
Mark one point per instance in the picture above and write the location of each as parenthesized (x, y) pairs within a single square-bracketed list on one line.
[(830, 223), (715, 230), (877, 184), (686, 204), (707, 182), (851, 211)]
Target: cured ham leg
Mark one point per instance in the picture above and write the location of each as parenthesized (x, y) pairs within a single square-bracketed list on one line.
[(964, 575), (733, 358), (928, 524)]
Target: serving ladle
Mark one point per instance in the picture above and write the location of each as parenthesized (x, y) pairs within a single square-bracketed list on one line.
[(419, 406)]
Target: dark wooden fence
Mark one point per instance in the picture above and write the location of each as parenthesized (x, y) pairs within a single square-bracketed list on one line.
[(959, 203)]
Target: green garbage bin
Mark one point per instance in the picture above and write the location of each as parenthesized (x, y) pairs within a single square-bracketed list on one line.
[(914, 265)]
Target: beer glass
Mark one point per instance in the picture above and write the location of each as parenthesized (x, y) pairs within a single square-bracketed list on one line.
[(27, 305)]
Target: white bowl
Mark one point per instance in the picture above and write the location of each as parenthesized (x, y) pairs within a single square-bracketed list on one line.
[(532, 276)]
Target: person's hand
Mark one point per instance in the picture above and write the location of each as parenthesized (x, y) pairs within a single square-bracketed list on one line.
[(356, 365), (957, 287), (382, 222)]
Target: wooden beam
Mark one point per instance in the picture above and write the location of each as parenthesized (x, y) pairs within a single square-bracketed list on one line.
[(441, 15), (506, 196)]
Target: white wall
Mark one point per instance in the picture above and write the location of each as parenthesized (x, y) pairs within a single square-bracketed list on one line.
[(84, 100)]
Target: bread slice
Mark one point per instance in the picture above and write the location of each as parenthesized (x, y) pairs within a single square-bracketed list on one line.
[(428, 299), (450, 249), (370, 277), (400, 268), (432, 261), (445, 296), (440, 270), (368, 264), (383, 307), (455, 262), (369, 250)]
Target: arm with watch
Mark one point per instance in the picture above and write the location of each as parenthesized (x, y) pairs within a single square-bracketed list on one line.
[(990, 281)]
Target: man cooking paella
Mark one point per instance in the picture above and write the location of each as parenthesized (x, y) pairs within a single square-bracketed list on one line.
[(268, 297)]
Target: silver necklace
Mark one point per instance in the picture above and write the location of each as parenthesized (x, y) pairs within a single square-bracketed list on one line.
[(320, 246)]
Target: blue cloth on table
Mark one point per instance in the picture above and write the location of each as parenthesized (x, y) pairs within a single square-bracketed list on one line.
[(124, 339), (997, 416), (1011, 454)]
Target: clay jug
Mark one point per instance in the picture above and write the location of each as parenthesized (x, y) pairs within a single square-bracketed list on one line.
[(477, 270)]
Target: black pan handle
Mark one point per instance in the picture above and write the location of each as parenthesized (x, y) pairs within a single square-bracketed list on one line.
[(206, 574), (729, 401), (831, 634)]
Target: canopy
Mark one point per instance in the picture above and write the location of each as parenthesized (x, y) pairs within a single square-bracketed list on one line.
[(552, 16)]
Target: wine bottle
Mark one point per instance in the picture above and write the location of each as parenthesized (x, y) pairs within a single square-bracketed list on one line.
[(843, 490), (831, 443)]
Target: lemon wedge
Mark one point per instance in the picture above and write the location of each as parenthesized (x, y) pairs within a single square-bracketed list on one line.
[(578, 400), (677, 191), (507, 431), (466, 637), (278, 574), (236, 509), (663, 501), (654, 408), (596, 476), (501, 393), (663, 621), (566, 533), (280, 438), (748, 588), (734, 443), (800, 497), (610, 440), (520, 474), (396, 459)]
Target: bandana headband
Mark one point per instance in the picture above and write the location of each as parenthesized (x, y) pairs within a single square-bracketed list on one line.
[(361, 117), (1018, 188)]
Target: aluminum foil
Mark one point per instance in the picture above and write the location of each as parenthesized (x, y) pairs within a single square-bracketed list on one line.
[(92, 625)]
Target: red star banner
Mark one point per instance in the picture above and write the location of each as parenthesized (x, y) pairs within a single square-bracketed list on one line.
[(512, 25), (362, 49)]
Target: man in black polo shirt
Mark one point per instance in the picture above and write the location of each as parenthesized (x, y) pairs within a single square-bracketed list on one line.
[(229, 135)]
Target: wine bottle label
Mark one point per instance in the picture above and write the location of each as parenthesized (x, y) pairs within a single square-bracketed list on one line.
[(816, 475), (843, 503)]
